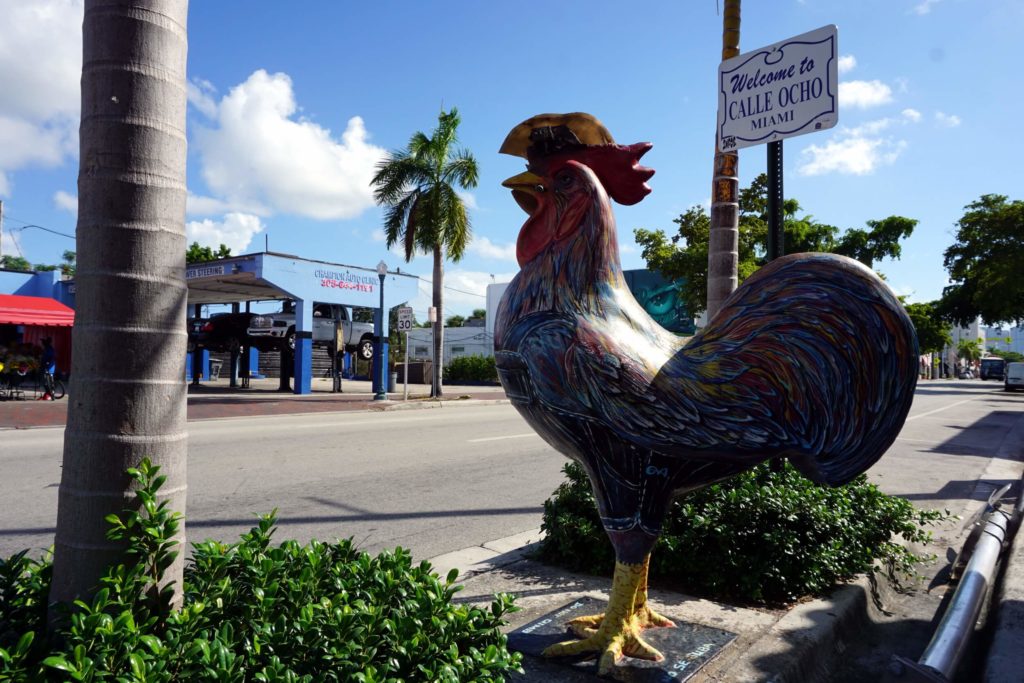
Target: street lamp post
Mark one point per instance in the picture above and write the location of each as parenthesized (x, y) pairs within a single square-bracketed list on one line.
[(382, 370)]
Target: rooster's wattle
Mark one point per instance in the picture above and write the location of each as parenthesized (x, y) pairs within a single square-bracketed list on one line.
[(812, 358)]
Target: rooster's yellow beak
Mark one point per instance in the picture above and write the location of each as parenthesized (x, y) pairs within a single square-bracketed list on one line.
[(525, 188)]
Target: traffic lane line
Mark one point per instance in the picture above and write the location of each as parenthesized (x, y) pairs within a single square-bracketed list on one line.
[(501, 438), (939, 410)]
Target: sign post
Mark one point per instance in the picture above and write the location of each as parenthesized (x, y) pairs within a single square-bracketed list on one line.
[(404, 325), (783, 90)]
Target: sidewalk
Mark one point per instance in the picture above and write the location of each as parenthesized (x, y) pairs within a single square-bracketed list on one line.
[(216, 400), (803, 643)]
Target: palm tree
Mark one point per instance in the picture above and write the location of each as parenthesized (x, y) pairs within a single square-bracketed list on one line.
[(127, 393), (723, 243), (424, 212)]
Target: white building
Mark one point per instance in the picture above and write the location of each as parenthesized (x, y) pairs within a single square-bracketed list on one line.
[(1004, 339), (458, 341)]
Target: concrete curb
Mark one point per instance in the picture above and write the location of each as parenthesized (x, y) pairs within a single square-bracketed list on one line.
[(1003, 661), (427, 404), (801, 646)]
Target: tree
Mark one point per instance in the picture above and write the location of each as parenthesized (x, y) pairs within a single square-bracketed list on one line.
[(684, 255), (969, 349), (480, 313), (69, 264), (424, 211), (198, 254), (933, 333), (128, 390), (363, 315), (455, 321), (722, 265), (985, 263), (9, 262), (1008, 356)]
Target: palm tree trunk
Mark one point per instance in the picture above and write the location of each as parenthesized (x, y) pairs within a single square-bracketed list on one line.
[(127, 394), (439, 323), (723, 242)]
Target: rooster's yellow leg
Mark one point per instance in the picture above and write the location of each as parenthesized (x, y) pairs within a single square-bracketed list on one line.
[(619, 629), (648, 618)]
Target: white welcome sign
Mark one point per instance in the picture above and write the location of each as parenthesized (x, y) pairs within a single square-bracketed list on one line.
[(779, 91)]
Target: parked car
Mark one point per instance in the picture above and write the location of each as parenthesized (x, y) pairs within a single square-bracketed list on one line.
[(1013, 378), (227, 332), (992, 368), (281, 327)]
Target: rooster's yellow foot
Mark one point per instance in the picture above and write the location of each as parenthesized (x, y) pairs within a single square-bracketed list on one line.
[(644, 616), (610, 646)]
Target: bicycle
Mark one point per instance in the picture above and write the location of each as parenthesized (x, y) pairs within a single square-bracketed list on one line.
[(53, 386)]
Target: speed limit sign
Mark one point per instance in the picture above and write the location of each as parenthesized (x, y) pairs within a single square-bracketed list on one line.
[(404, 318)]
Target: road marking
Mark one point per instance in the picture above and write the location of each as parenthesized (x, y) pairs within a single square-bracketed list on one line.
[(939, 410), (499, 438)]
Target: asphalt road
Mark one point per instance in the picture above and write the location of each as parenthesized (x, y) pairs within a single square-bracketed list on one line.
[(433, 481), (436, 481)]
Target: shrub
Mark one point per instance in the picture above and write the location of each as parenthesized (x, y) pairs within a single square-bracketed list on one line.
[(762, 536), (319, 612), (470, 369)]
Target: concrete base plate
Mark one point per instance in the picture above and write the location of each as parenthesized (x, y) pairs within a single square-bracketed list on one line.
[(687, 647)]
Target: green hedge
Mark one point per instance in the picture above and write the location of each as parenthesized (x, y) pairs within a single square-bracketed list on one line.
[(252, 612), (470, 369), (762, 536)]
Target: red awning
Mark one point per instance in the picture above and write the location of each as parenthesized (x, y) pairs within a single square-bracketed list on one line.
[(34, 310)]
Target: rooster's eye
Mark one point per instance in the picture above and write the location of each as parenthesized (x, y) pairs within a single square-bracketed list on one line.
[(540, 188)]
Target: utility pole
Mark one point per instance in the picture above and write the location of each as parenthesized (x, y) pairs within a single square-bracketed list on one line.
[(723, 241)]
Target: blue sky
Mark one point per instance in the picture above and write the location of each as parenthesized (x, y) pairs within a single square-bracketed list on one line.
[(292, 105)]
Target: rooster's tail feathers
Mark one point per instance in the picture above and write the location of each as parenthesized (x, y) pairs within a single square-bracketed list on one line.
[(826, 353)]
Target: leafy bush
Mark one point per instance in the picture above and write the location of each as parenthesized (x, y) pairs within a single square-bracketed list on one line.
[(319, 612), (762, 536), (470, 369)]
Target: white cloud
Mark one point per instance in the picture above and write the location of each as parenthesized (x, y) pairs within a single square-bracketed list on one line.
[(867, 128), (468, 198), (852, 155), (847, 63), (859, 150), (377, 235), (911, 115), (65, 201), (235, 231), (200, 95), (924, 7), (260, 154), (864, 94), (484, 247), (947, 120), (200, 205), (7, 244), (40, 69), (464, 291)]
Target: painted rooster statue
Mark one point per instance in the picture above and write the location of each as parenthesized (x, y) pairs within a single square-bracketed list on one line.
[(812, 359)]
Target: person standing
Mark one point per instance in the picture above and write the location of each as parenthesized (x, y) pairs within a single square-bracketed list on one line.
[(48, 361)]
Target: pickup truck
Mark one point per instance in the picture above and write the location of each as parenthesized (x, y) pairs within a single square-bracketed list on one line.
[(226, 332), (281, 326)]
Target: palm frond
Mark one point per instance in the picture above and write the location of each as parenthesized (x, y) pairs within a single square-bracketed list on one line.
[(419, 146), (396, 218), (456, 231), (412, 225), (446, 133), (462, 170), (395, 175)]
